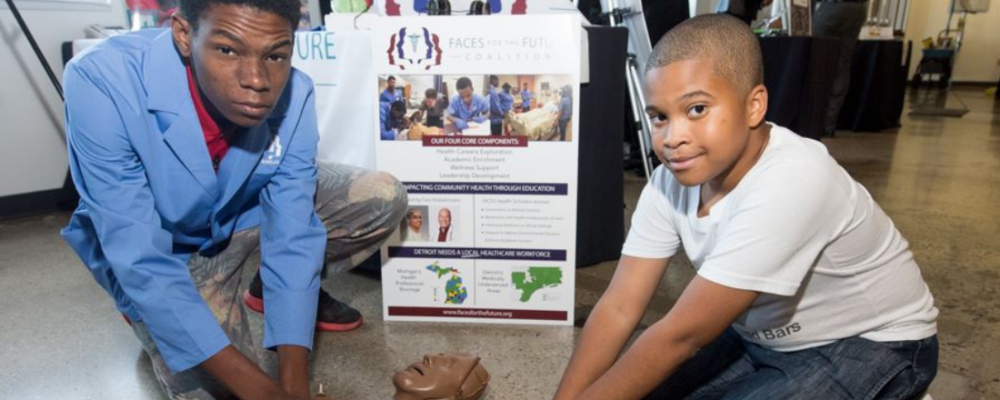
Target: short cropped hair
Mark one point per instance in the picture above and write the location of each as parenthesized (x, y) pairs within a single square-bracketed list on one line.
[(290, 10), (398, 106), (726, 41), (431, 93), (463, 83)]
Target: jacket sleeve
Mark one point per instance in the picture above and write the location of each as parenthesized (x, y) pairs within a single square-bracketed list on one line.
[(112, 183), (292, 238)]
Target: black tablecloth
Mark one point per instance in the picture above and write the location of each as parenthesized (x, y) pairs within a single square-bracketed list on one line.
[(600, 218), (798, 74), (878, 86)]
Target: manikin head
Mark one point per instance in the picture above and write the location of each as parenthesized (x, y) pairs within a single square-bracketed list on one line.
[(449, 376)]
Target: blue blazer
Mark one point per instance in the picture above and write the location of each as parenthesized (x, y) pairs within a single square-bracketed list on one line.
[(150, 197)]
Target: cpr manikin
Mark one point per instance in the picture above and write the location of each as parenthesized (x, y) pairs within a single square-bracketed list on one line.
[(449, 376)]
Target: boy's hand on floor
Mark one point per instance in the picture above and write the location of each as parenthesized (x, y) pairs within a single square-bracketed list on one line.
[(293, 370), (243, 377)]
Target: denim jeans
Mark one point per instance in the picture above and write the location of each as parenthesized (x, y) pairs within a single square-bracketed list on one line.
[(849, 369)]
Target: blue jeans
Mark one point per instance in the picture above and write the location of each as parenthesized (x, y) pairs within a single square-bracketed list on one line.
[(849, 369)]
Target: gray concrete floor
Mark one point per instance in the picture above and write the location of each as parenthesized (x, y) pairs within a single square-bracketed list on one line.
[(938, 178)]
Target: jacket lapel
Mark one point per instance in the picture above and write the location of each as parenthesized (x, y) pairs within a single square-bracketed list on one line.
[(246, 151), (170, 100)]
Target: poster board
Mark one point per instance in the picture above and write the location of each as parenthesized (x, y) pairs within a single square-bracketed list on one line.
[(395, 8), (490, 231)]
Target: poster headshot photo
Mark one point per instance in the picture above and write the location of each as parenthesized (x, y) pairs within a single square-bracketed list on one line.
[(538, 107), (445, 225), (414, 226)]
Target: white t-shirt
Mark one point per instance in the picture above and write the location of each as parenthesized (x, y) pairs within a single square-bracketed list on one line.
[(828, 262)]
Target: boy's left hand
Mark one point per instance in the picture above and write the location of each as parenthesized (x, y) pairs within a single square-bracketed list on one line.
[(702, 313)]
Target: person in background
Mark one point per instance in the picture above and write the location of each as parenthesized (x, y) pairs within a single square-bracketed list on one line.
[(496, 107), (414, 223), (565, 110), (433, 107), (526, 96), (392, 119), (744, 10), (841, 19), (467, 107), (390, 94), (506, 100), (445, 231)]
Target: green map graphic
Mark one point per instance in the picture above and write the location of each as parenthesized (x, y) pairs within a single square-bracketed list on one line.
[(535, 279), (454, 288)]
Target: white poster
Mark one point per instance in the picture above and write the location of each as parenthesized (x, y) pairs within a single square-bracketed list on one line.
[(479, 121), (339, 62), (395, 8)]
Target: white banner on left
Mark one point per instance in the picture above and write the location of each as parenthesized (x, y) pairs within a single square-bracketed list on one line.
[(339, 62)]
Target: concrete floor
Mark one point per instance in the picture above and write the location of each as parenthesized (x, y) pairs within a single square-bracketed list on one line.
[(938, 178)]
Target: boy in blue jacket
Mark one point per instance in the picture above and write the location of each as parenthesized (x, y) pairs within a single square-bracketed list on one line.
[(193, 149)]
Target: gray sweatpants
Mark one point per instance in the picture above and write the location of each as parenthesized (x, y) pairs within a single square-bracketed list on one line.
[(359, 209)]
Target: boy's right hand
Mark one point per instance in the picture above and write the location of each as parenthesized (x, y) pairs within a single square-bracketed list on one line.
[(611, 323), (243, 377)]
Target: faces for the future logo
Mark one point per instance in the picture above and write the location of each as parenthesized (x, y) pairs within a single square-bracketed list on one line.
[(414, 48)]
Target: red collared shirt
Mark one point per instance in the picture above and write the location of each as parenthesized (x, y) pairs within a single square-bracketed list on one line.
[(217, 141)]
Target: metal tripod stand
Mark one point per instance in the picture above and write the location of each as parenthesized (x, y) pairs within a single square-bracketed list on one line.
[(34, 46), (616, 18)]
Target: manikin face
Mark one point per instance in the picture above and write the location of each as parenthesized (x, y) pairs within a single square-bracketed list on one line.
[(416, 220), (701, 122), (451, 376), (444, 218), (241, 59)]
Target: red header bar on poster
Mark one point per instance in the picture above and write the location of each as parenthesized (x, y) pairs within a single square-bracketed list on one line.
[(475, 141)]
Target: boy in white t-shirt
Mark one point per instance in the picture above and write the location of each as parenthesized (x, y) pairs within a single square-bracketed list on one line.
[(805, 289)]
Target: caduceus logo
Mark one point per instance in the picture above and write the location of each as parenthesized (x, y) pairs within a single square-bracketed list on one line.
[(414, 48)]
